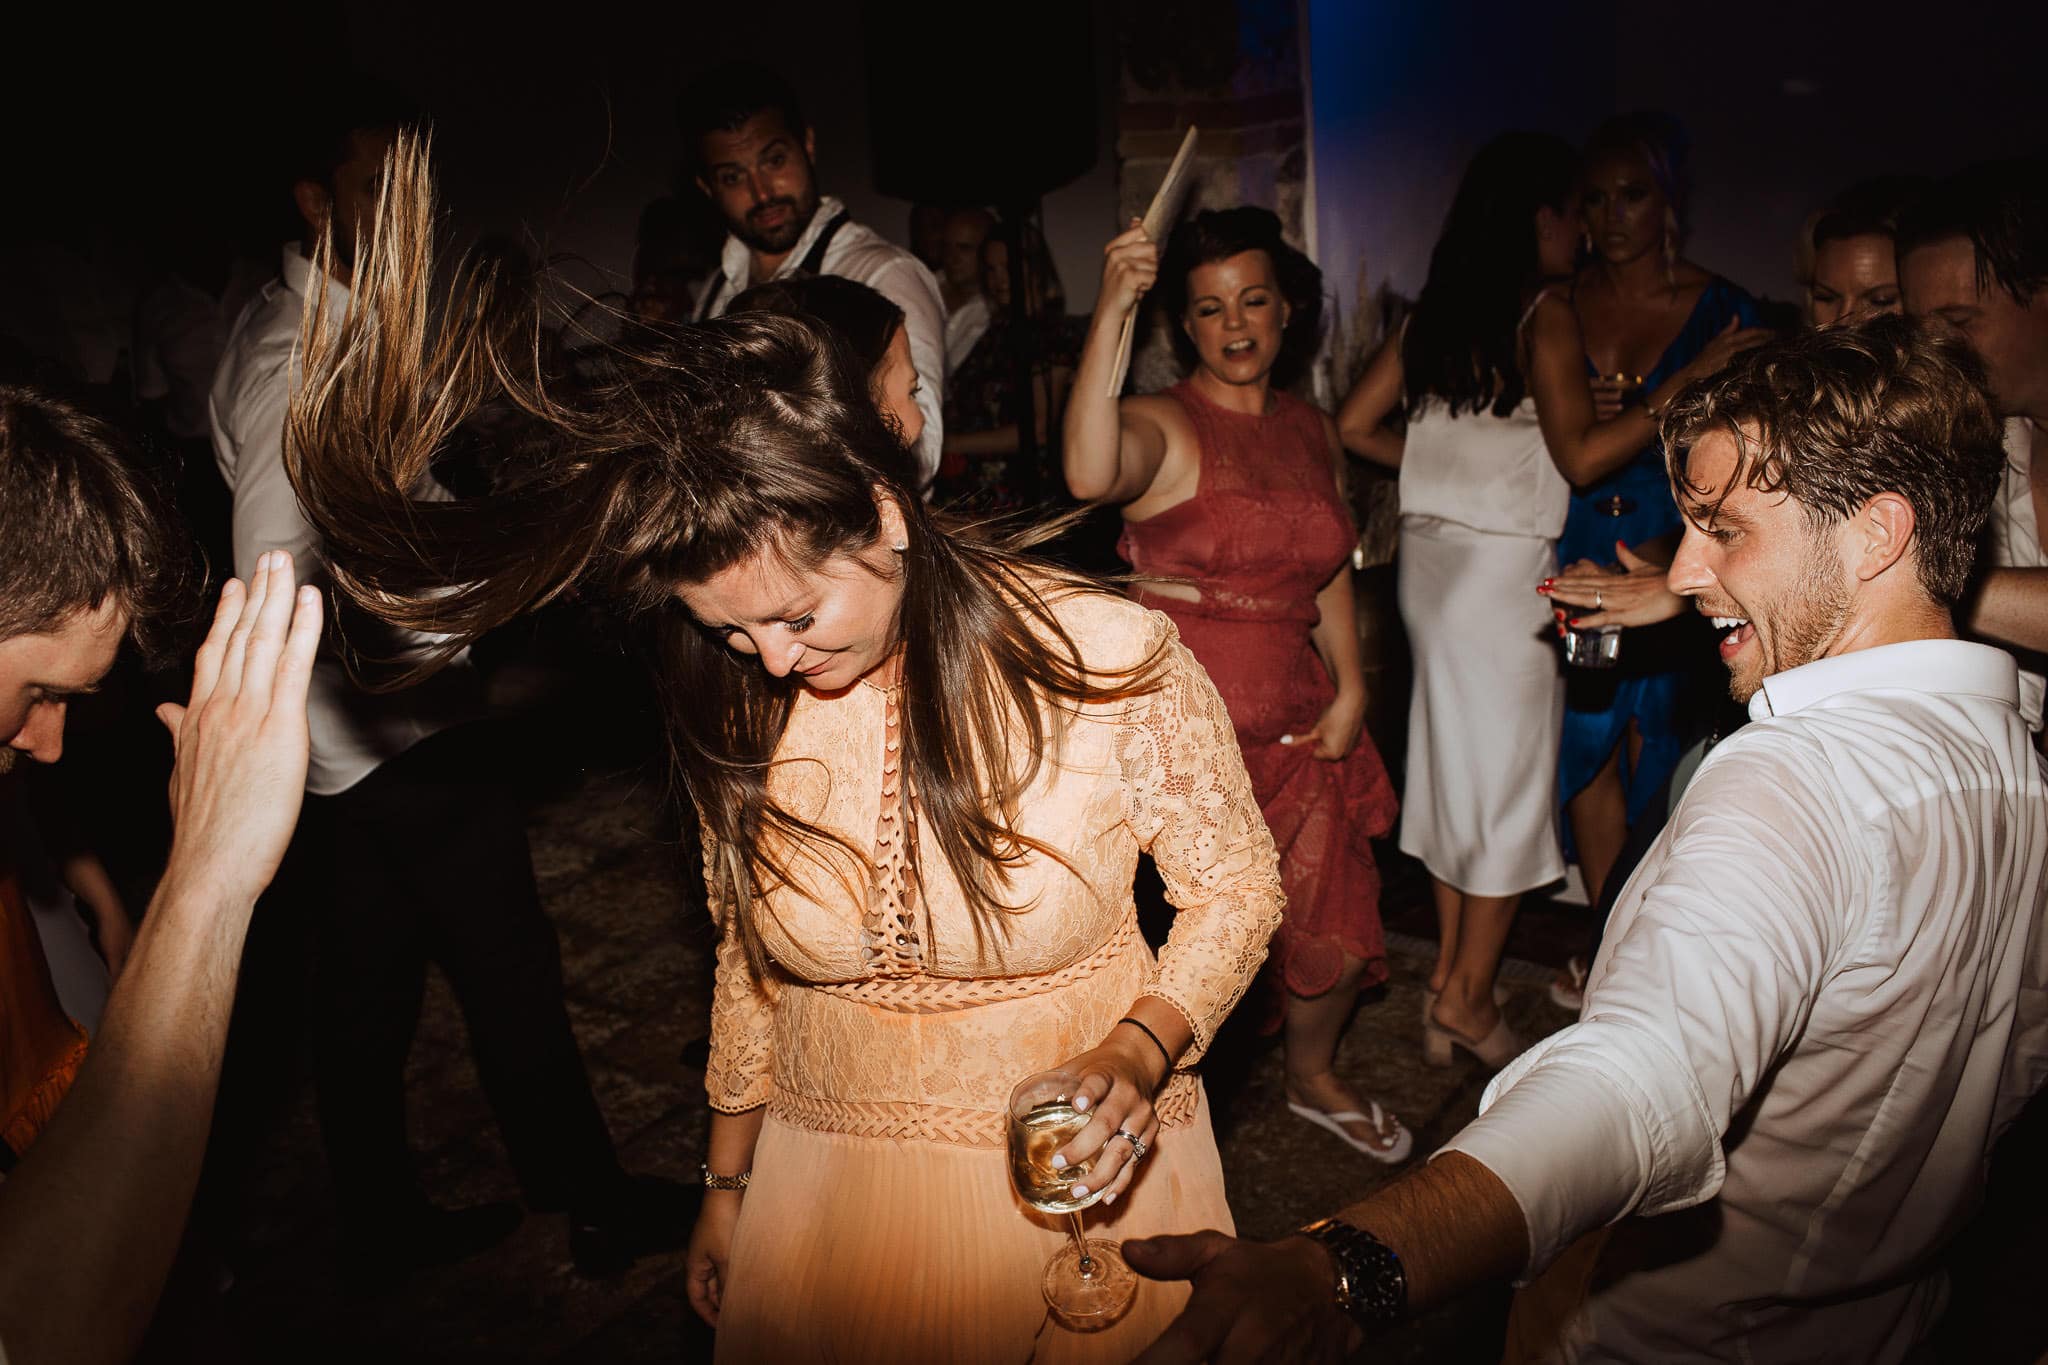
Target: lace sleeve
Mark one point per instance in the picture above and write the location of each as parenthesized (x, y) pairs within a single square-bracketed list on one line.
[(740, 1072), (1189, 802)]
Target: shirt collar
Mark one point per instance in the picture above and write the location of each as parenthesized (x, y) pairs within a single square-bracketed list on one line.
[(2019, 444), (735, 260), (298, 277), (1940, 666)]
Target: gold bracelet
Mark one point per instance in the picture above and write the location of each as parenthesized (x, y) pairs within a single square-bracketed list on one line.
[(726, 1182)]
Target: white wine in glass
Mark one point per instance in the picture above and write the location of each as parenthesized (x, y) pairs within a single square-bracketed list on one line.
[(1087, 1282)]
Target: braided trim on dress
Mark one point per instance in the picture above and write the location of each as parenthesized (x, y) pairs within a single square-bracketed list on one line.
[(924, 994), (904, 1121)]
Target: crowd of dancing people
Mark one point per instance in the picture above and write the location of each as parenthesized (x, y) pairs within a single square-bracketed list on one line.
[(1735, 620)]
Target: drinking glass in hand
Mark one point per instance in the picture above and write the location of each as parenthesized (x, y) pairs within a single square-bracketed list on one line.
[(1595, 646), (1087, 1283)]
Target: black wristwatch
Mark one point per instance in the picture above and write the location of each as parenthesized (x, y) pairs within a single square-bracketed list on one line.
[(1371, 1285)]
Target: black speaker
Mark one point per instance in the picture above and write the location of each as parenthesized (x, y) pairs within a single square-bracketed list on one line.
[(998, 108)]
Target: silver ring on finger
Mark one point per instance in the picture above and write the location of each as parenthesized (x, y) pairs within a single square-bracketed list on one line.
[(1138, 1148), (1597, 602)]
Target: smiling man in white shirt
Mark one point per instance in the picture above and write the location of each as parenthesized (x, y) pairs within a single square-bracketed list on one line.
[(755, 159), (1820, 999)]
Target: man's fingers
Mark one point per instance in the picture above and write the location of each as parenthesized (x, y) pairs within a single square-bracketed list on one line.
[(295, 665), (1200, 1329), (230, 681), (1175, 1256), (206, 664), (267, 637), (173, 717)]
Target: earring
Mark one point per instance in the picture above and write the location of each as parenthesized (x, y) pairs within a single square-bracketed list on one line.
[(900, 546)]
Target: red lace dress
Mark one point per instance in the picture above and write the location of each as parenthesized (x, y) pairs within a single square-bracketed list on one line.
[(1263, 534)]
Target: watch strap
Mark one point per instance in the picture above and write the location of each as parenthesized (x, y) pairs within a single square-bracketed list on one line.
[(1372, 1285)]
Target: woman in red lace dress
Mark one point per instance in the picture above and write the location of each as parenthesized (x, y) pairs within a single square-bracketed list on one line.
[(1232, 517)]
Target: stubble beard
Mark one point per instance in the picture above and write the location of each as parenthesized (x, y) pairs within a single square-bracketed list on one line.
[(1803, 621)]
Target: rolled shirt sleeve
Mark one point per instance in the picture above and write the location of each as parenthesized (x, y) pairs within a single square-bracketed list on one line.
[(1718, 950)]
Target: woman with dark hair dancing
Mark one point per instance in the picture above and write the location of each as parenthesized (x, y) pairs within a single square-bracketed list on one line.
[(925, 766), (1234, 524), (1500, 426), (868, 323)]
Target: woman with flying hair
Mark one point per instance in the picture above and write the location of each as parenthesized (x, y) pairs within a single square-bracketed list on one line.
[(924, 765)]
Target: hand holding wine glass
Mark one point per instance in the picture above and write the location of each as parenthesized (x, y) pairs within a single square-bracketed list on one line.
[(1077, 1135)]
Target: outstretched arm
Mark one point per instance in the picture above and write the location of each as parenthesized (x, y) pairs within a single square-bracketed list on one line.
[(1113, 451), (1452, 1223), (90, 1219)]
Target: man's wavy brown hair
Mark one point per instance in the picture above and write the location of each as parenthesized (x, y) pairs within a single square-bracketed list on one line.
[(84, 524), (1834, 417)]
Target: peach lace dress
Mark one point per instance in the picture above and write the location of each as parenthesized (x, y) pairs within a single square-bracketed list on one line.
[(881, 1224)]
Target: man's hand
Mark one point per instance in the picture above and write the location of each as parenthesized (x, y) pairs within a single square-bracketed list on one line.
[(1253, 1301), (241, 741)]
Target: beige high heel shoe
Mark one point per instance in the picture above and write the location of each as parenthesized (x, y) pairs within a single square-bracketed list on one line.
[(1494, 1051), (1438, 1042)]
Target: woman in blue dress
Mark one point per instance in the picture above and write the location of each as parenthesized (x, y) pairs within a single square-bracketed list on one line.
[(1645, 313)]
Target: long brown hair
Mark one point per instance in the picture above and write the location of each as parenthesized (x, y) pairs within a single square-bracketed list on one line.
[(723, 441)]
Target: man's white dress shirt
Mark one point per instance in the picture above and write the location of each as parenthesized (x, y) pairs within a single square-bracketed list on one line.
[(964, 327), (352, 730), (858, 252), (1819, 1001), (2015, 534)]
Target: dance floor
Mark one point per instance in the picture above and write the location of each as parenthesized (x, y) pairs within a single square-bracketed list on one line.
[(636, 952)]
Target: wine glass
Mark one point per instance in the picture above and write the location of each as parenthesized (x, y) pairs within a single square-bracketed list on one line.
[(1086, 1282)]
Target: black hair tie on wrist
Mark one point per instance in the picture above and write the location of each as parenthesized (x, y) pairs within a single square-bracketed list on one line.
[(1165, 1056)]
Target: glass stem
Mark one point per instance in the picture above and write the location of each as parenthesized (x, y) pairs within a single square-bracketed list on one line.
[(1081, 1245)]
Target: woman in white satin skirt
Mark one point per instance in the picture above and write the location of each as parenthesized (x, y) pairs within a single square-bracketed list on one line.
[(1489, 370)]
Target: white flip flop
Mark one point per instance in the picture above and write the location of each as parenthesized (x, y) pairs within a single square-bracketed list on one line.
[(1404, 1143)]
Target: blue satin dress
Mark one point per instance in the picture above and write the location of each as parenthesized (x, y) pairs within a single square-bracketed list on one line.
[(1633, 505)]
